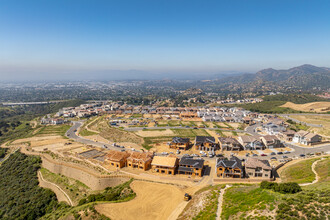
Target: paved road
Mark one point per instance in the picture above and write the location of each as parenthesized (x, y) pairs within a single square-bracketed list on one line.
[(72, 135), (297, 149), (302, 122)]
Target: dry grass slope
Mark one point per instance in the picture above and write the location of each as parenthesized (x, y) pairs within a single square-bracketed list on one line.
[(309, 107)]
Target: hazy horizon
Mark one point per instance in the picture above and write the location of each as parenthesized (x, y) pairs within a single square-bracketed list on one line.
[(58, 40)]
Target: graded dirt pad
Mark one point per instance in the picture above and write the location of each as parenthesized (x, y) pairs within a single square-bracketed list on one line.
[(309, 107), (153, 201), (154, 133)]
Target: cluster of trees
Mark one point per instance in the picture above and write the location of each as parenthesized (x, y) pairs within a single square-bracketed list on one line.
[(3, 152), (20, 194), (120, 192), (290, 187)]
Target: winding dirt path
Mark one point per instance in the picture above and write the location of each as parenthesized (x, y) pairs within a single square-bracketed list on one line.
[(60, 194), (317, 177), (222, 192)]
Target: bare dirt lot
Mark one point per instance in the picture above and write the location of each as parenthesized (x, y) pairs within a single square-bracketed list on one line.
[(155, 133), (153, 201), (309, 107)]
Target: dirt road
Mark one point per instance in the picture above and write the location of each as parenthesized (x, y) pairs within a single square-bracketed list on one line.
[(153, 201), (60, 194)]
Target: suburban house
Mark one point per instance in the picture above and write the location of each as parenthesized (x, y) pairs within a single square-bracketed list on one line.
[(205, 143), (231, 168), (255, 168), (247, 120), (166, 165), (180, 143), (229, 144), (140, 160), (306, 138), (190, 166), (271, 141), (251, 142), (287, 135), (188, 115), (117, 158), (273, 129)]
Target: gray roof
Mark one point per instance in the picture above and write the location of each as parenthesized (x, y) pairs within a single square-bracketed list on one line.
[(179, 140), (233, 162), (196, 163), (204, 139)]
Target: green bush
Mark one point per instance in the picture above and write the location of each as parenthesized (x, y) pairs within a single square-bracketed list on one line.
[(284, 188), (290, 187), (268, 185)]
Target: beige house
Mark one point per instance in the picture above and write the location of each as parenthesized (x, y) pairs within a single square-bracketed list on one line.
[(166, 165), (306, 138), (140, 160), (117, 159), (255, 168)]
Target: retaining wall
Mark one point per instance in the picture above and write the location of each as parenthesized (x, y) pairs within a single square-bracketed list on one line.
[(95, 182)]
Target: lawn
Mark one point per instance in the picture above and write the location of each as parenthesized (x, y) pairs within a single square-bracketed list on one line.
[(300, 172)]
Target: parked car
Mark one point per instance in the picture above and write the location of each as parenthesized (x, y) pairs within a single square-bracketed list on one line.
[(194, 155), (177, 152), (164, 153), (254, 155), (286, 152), (211, 156), (219, 155), (203, 155), (263, 155), (284, 157), (273, 158), (247, 154), (272, 153), (302, 155), (279, 152)]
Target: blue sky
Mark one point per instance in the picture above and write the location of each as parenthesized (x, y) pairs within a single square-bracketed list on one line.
[(43, 37)]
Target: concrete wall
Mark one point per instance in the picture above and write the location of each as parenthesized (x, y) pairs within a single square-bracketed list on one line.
[(95, 182)]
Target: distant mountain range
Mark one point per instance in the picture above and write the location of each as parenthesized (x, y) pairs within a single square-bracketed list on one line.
[(305, 76)]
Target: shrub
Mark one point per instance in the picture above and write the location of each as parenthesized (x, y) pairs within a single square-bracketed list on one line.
[(290, 187), (268, 185)]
